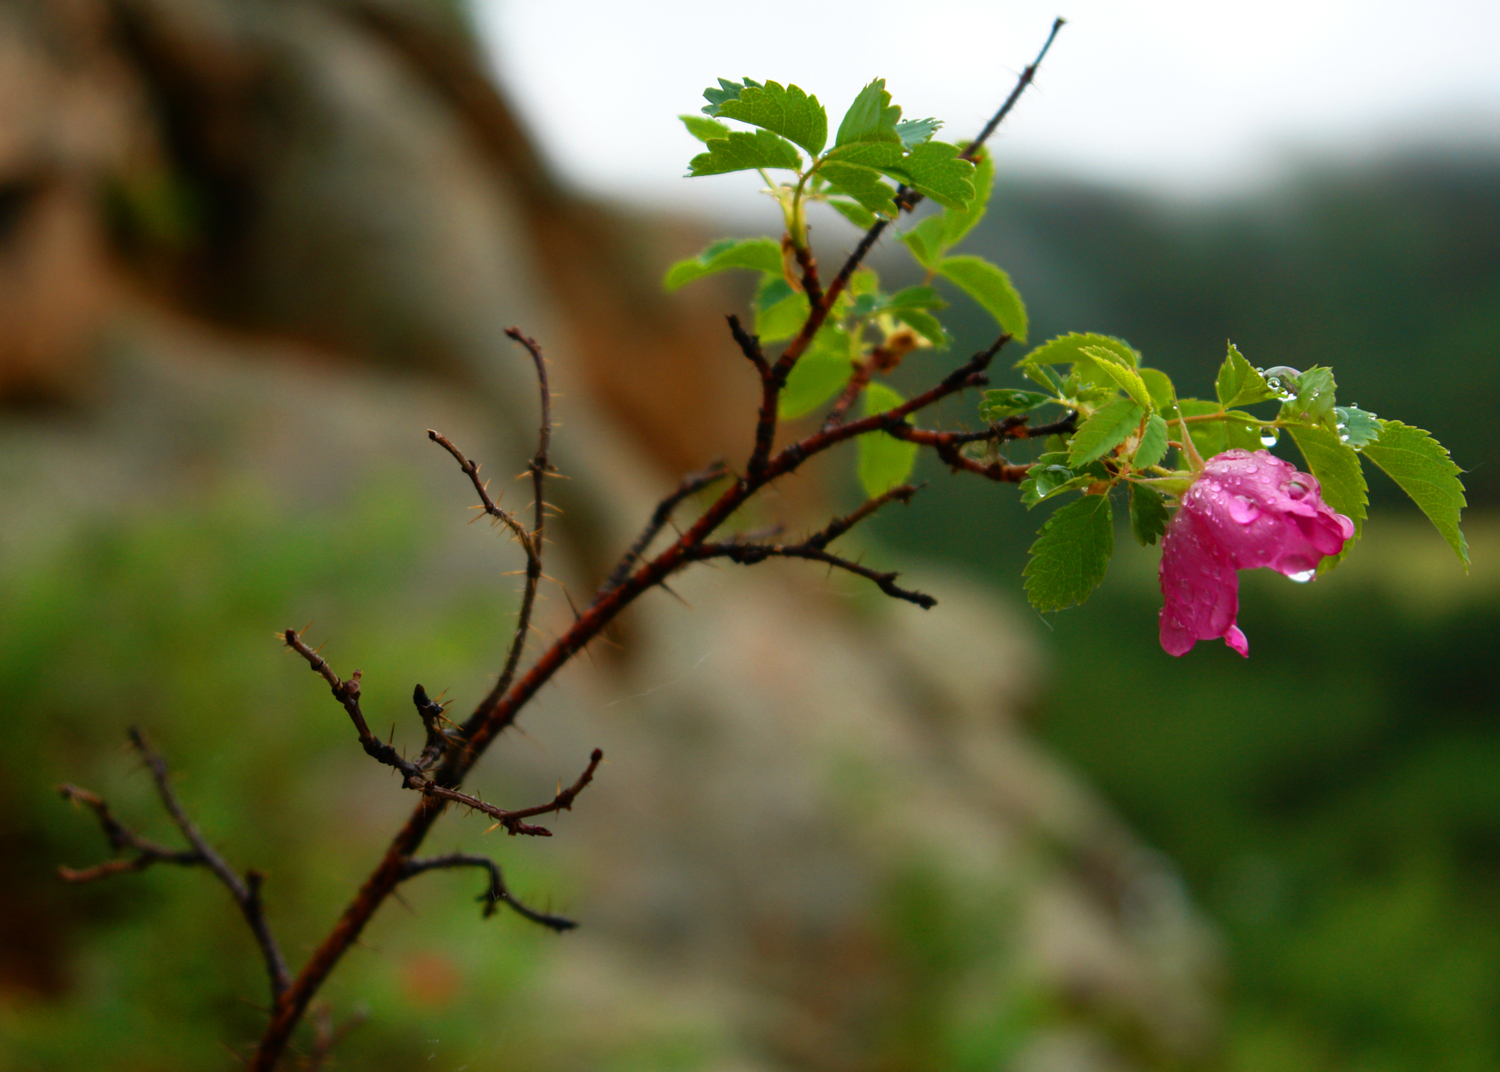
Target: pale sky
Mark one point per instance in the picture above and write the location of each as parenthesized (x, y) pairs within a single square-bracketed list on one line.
[(1189, 97)]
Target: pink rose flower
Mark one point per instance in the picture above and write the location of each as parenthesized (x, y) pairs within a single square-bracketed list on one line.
[(1244, 511)]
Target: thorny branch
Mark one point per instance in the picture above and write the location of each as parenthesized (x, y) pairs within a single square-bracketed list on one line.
[(772, 380), (505, 517), (491, 719), (513, 821), (448, 765), (495, 894), (949, 445), (814, 549), (906, 199), (347, 693), (690, 485), (538, 467), (246, 891)]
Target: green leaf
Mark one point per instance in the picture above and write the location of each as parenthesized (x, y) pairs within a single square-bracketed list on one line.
[(1163, 393), (870, 154), (1127, 379), (1068, 350), (872, 117), (925, 241), (1153, 445), (917, 297), (1049, 475), (1423, 469), (1336, 466), (914, 132), (1208, 436), (780, 310), (1315, 398), (990, 287), (745, 151), (854, 212), (1071, 553), (863, 281), (784, 110), (934, 168), (1045, 482), (704, 129), (1359, 428), (819, 373), (726, 91), (1007, 402), (924, 324), (959, 222), (884, 460), (1044, 377), (1110, 426), (1239, 384), (861, 183), (1148, 513), (762, 254), (1241, 432)]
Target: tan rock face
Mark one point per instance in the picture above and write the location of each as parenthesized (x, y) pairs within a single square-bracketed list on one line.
[(823, 839)]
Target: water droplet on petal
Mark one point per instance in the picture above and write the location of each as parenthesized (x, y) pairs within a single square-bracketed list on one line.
[(1304, 576)]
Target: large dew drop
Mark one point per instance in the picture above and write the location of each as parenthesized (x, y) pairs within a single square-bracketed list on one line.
[(1269, 436), (1304, 576)]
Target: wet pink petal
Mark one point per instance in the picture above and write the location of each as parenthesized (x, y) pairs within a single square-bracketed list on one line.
[(1244, 511)]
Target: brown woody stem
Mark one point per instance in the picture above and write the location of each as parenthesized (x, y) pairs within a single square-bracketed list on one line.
[(500, 708)]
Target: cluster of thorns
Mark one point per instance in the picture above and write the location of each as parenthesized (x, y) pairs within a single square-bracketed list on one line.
[(451, 750)]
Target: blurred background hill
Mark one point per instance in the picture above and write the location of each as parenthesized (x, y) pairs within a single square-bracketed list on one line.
[(249, 252)]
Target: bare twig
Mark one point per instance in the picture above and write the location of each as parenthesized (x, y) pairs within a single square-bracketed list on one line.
[(772, 380), (347, 693), (497, 893), (505, 517), (906, 200), (120, 837), (1010, 102), (538, 466), (439, 740), (814, 548), (878, 360), (246, 891), (810, 283), (948, 445), (513, 821), (749, 554), (901, 493), (690, 485)]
